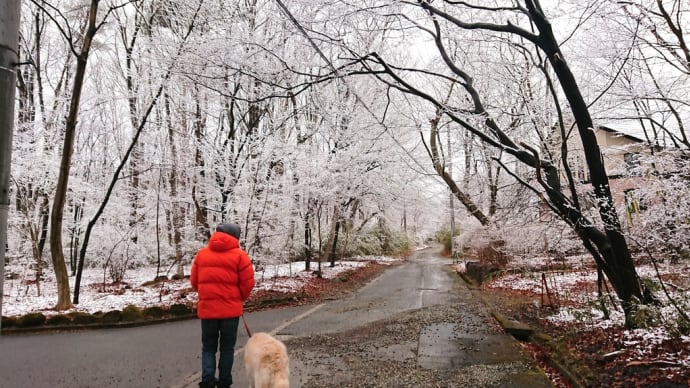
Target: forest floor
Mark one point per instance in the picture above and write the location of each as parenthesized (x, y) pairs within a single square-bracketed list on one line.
[(594, 356), (561, 304)]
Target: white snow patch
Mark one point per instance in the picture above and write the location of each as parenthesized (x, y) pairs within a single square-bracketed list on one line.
[(21, 298)]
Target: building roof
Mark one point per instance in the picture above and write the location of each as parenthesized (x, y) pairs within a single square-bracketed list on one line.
[(621, 134)]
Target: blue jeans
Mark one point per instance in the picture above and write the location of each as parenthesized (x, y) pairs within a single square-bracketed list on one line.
[(213, 333)]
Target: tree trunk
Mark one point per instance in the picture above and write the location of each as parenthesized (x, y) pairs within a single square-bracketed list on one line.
[(9, 41), (176, 211), (336, 233), (308, 235), (307, 244), (201, 225), (133, 104), (56, 215), (328, 251), (75, 235), (611, 252), (619, 266), (471, 207), (158, 229)]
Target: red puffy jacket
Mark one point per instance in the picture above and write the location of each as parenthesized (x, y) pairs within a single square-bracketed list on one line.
[(223, 276)]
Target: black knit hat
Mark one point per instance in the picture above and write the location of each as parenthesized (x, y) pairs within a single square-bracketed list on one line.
[(231, 229)]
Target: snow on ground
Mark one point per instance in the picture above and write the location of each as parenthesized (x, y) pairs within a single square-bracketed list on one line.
[(22, 297), (574, 290)]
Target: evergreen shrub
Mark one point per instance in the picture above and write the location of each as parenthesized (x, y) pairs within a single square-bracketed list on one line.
[(443, 236), (180, 310), (31, 320), (132, 313), (379, 241), (645, 316), (112, 316), (154, 312), (58, 320), (82, 318), (9, 321)]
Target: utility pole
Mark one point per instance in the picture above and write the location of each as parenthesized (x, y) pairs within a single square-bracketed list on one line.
[(9, 58)]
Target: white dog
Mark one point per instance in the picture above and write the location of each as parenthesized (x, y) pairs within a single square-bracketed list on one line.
[(266, 361)]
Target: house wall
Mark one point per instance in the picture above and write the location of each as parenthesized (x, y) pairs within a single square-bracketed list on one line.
[(614, 148)]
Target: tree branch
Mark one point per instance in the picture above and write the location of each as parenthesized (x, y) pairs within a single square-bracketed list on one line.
[(508, 27)]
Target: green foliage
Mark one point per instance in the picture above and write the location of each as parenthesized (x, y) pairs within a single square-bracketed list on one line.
[(652, 285), (9, 321), (644, 316), (585, 315), (379, 241), (154, 312), (31, 320), (180, 310), (443, 236), (58, 320), (682, 326), (81, 318), (132, 313), (647, 316), (112, 316)]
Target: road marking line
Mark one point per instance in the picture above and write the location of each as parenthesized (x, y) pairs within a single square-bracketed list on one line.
[(297, 318), (191, 380), (286, 324)]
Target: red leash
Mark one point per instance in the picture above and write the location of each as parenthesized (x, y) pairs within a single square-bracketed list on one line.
[(249, 334)]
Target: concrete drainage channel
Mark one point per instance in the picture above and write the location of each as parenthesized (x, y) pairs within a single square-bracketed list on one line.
[(523, 332)]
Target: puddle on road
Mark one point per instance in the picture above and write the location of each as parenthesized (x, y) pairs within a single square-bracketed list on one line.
[(444, 346)]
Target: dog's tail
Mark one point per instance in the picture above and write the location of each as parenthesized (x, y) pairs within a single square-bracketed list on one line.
[(277, 371), (280, 380)]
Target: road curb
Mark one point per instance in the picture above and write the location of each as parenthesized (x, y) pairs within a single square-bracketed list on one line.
[(90, 326), (523, 332)]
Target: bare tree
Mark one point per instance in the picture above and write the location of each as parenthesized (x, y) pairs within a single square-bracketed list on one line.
[(606, 243), (443, 172), (130, 148), (56, 214), (659, 61), (32, 185)]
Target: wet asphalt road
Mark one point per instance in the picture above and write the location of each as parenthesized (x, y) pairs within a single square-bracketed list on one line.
[(162, 355), (167, 355), (416, 325)]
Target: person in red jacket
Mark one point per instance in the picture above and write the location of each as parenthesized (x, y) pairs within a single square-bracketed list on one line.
[(223, 276)]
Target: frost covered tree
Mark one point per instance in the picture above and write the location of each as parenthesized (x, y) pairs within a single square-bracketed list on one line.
[(81, 49), (648, 94), (659, 218), (94, 151), (651, 77), (193, 113), (518, 27)]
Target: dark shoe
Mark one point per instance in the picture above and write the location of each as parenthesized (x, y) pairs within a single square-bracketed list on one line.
[(207, 384), (222, 385)]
